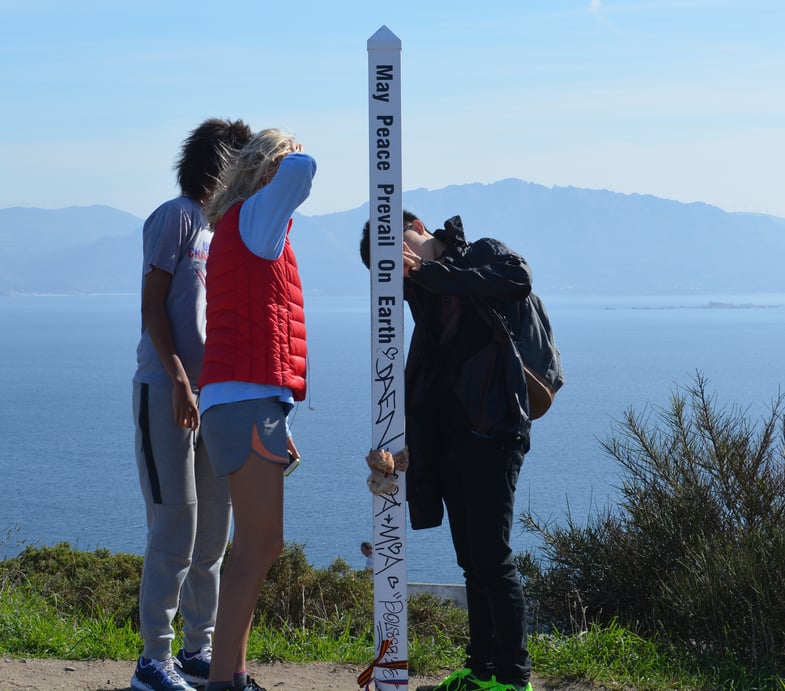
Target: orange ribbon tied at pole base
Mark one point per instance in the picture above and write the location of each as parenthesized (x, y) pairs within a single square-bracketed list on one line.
[(365, 678)]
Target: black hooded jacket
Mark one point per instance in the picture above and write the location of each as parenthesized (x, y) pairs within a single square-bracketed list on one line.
[(463, 369)]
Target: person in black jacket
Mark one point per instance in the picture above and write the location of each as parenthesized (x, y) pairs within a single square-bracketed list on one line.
[(467, 430)]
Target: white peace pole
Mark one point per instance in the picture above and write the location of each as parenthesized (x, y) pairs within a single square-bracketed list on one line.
[(387, 356)]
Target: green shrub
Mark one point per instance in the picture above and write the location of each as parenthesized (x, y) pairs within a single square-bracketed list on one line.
[(82, 583), (74, 601), (431, 617), (695, 548), (300, 596)]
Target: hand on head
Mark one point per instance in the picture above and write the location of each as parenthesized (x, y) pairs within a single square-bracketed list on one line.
[(411, 260)]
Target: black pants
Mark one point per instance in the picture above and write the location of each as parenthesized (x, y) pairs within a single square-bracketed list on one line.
[(478, 478)]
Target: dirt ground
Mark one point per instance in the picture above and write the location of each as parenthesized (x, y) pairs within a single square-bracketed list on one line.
[(113, 675)]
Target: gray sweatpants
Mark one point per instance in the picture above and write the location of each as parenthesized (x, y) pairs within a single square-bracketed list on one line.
[(188, 521)]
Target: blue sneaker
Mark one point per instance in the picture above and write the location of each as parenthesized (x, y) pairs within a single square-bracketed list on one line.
[(195, 667), (158, 675)]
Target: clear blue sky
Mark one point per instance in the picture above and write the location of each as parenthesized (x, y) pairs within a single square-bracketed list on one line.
[(682, 99)]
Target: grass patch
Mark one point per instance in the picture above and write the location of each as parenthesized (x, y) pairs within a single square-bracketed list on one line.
[(59, 603), (614, 657)]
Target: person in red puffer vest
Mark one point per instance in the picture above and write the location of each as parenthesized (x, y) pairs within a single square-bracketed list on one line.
[(255, 313), (254, 369)]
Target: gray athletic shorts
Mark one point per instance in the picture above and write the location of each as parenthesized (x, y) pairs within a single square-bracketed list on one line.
[(233, 431)]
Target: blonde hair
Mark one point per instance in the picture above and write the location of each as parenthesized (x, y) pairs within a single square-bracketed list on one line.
[(248, 170)]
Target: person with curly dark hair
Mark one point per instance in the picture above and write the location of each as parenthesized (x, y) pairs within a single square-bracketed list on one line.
[(188, 507)]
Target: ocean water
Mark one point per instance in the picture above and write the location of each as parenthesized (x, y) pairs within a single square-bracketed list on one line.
[(67, 467)]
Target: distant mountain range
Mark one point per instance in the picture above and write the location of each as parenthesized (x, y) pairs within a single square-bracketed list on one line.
[(576, 240)]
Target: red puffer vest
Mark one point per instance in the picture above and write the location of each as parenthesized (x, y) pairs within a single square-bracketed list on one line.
[(255, 318)]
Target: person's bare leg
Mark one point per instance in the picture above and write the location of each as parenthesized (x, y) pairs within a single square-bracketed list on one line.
[(240, 663), (257, 502)]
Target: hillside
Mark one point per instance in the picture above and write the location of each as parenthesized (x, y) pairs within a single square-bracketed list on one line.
[(576, 240)]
